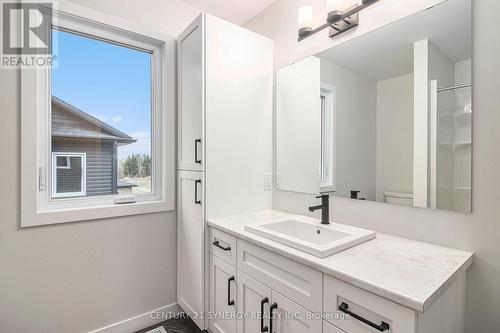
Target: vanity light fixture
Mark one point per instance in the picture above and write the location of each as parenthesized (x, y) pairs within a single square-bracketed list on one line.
[(305, 20), (339, 21)]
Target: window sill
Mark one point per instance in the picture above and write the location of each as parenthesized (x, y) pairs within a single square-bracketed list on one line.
[(49, 217)]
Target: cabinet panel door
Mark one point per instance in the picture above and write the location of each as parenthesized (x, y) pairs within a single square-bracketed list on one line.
[(252, 297), (223, 295), (191, 96), (289, 317), (329, 328), (190, 245)]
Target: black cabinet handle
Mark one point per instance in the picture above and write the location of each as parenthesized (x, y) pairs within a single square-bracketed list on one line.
[(196, 200), (224, 248), (273, 307), (196, 160), (382, 327), (229, 300), (262, 327)]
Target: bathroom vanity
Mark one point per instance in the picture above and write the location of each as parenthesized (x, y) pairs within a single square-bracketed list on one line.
[(384, 284), (345, 124)]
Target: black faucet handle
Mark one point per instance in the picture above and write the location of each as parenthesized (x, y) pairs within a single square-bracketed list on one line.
[(322, 196)]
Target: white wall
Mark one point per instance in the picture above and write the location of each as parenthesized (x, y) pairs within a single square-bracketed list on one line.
[(463, 72), (297, 126), (395, 135), (479, 231), (356, 128), (239, 103), (77, 277)]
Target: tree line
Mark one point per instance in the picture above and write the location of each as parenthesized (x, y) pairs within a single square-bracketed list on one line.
[(136, 165)]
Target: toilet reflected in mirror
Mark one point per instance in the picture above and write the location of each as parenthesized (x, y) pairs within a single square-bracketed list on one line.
[(391, 126)]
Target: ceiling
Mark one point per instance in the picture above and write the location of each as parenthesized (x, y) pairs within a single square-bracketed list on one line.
[(235, 11), (388, 51)]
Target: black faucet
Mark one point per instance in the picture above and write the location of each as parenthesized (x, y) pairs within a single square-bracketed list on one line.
[(325, 208)]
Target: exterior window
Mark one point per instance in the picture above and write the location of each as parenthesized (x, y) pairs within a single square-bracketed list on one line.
[(113, 128), (98, 128), (69, 176)]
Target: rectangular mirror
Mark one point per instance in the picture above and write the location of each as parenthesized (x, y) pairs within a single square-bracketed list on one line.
[(385, 116)]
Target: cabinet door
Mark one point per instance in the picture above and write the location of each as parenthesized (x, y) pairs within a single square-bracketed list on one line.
[(289, 317), (191, 96), (223, 295), (253, 302), (190, 245)]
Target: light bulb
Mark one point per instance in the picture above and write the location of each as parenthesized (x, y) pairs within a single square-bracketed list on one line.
[(334, 9), (305, 18), (332, 5)]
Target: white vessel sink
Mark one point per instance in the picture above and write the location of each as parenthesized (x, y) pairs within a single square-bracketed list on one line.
[(310, 236)]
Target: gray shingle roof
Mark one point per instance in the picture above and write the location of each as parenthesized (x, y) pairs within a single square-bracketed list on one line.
[(81, 125)]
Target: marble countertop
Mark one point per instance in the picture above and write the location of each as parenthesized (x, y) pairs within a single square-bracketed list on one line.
[(411, 273)]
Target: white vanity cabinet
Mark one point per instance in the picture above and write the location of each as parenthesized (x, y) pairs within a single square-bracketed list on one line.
[(253, 298), (225, 90), (191, 93), (222, 296), (293, 318), (190, 240), (264, 284)]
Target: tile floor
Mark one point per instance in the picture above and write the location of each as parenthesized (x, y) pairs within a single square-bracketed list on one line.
[(176, 325)]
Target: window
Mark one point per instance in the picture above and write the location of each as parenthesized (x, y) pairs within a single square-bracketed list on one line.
[(114, 127), (327, 153), (68, 175), (98, 126)]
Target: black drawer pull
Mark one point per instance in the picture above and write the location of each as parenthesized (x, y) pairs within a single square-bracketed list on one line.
[(196, 200), (273, 307), (262, 327), (382, 327), (196, 160), (229, 300), (224, 248)]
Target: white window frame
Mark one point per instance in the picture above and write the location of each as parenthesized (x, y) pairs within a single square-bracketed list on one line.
[(68, 161), (83, 180), (329, 93), (37, 205)]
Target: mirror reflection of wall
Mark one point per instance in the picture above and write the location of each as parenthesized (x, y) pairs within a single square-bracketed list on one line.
[(394, 123)]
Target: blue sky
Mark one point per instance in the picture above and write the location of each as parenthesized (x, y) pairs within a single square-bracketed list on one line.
[(110, 82)]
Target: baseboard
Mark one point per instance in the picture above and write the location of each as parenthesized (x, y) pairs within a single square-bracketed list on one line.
[(141, 321)]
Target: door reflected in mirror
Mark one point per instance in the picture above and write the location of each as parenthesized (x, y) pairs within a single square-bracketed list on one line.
[(385, 116)]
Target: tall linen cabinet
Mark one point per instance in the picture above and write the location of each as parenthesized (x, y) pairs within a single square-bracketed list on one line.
[(225, 101)]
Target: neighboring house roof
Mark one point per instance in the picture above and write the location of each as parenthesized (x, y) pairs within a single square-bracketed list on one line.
[(122, 184), (70, 122)]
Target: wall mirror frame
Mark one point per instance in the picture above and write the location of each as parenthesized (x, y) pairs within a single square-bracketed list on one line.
[(385, 116)]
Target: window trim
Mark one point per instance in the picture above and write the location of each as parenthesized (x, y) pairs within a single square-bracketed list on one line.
[(329, 93), (37, 205), (83, 180), (64, 167)]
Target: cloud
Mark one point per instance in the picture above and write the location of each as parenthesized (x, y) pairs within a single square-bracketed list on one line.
[(117, 119), (142, 146)]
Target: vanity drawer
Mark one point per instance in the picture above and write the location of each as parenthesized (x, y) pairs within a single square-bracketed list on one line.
[(299, 283), (388, 316), (223, 245), (329, 328)]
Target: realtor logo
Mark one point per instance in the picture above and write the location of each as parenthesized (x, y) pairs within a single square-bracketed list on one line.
[(26, 34)]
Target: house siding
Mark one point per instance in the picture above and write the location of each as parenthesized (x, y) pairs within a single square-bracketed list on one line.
[(99, 164)]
